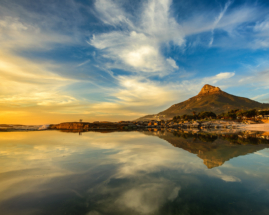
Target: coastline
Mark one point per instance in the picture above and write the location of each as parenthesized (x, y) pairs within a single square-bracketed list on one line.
[(125, 126), (256, 127)]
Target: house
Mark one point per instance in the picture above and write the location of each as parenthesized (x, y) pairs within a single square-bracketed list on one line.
[(150, 123)]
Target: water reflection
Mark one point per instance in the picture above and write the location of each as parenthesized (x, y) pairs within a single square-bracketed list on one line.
[(216, 148), (52, 172)]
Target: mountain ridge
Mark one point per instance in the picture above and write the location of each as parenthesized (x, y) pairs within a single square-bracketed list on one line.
[(210, 98)]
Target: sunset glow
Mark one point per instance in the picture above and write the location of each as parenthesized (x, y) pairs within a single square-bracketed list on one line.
[(120, 60)]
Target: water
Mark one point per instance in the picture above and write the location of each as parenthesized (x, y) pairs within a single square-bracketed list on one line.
[(52, 172)]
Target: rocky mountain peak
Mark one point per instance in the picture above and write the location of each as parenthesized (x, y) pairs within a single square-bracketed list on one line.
[(209, 89), (210, 98)]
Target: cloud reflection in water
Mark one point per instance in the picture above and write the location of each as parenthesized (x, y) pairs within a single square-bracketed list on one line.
[(123, 173)]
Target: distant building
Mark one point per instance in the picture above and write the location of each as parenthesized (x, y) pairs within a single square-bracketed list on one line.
[(150, 123)]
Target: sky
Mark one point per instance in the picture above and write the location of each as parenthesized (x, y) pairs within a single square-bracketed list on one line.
[(122, 59)]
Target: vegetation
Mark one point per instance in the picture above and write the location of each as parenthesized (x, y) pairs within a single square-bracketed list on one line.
[(232, 114), (202, 115), (264, 112), (217, 101)]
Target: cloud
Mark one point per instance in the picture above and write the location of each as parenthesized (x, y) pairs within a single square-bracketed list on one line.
[(172, 62), (138, 96), (217, 20), (262, 154), (25, 82), (260, 77), (135, 44), (139, 89), (259, 96), (196, 84), (40, 26), (261, 30), (111, 13), (221, 76), (83, 63), (148, 197), (137, 65), (138, 48), (133, 96), (232, 28), (17, 34), (139, 177), (262, 27), (228, 178)]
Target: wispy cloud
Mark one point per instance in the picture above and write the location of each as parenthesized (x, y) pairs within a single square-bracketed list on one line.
[(137, 96), (217, 20), (24, 82), (19, 35), (138, 48), (105, 59), (259, 96), (85, 62)]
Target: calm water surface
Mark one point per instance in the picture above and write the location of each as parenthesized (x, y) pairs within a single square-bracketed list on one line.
[(51, 172)]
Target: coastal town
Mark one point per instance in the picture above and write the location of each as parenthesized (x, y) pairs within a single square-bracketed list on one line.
[(252, 123), (238, 132)]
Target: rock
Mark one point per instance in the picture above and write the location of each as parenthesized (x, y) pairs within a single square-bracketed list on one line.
[(251, 122), (207, 89)]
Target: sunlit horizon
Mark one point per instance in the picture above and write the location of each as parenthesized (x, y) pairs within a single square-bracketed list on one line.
[(107, 60)]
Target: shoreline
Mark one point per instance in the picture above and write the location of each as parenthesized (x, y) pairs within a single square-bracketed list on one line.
[(126, 126), (256, 127)]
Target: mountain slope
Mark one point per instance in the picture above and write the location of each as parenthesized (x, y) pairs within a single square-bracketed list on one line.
[(210, 98)]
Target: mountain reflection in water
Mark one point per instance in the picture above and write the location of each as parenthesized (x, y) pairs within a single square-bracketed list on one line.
[(147, 172), (216, 148)]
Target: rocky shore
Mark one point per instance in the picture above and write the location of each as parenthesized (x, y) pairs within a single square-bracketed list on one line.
[(127, 125), (16, 127), (92, 126), (143, 125)]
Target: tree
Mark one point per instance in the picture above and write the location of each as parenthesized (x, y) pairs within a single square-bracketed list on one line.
[(240, 113), (187, 117), (233, 111), (232, 115), (206, 114), (247, 113), (263, 112), (176, 118), (251, 113), (220, 116)]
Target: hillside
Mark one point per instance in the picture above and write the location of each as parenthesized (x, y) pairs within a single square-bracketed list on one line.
[(210, 98)]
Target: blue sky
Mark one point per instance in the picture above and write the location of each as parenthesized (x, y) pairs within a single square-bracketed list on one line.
[(112, 60)]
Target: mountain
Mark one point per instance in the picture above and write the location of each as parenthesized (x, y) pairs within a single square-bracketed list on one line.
[(210, 98)]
